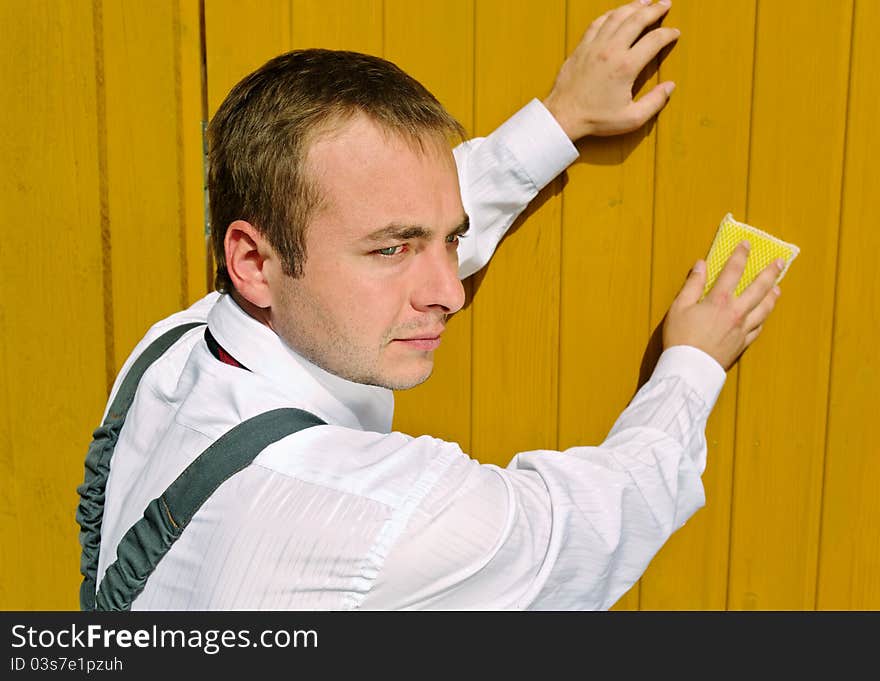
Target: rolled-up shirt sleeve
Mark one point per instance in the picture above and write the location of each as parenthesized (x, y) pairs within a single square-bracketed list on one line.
[(501, 173), (560, 530)]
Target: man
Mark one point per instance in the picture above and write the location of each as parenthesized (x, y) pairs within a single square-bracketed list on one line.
[(341, 237)]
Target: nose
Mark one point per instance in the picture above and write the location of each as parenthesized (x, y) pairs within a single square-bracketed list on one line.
[(438, 287)]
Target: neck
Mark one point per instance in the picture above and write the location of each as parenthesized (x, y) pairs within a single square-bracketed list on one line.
[(261, 314)]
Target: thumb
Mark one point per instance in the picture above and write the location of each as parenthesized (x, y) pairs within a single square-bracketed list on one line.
[(651, 102), (692, 290)]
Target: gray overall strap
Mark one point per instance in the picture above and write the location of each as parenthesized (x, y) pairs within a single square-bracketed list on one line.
[(90, 512), (150, 538)]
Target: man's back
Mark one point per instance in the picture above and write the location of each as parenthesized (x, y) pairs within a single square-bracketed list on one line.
[(296, 528), (349, 515)]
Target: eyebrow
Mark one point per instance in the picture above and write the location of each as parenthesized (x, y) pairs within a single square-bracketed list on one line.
[(395, 232)]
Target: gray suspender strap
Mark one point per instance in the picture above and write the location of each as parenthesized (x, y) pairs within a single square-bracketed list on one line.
[(165, 518), (150, 538), (90, 511)]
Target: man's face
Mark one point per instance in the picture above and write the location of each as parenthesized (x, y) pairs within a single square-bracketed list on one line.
[(381, 270)]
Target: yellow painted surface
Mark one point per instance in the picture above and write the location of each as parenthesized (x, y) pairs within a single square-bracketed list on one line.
[(796, 161), (144, 199), (606, 261), (104, 180), (701, 174), (52, 350), (338, 25), (418, 38), (516, 308), (192, 111), (849, 557), (606, 268), (240, 36)]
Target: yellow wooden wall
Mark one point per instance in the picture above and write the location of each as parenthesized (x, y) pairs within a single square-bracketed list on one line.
[(773, 119)]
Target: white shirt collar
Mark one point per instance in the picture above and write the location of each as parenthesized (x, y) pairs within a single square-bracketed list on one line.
[(334, 399)]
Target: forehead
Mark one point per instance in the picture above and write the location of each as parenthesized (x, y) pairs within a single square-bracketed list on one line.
[(367, 177)]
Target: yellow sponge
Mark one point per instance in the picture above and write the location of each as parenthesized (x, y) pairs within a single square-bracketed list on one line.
[(765, 248)]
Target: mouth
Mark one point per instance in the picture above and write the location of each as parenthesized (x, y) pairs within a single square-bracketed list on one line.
[(424, 341)]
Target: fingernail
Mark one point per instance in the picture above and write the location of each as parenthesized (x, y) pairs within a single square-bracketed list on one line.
[(780, 263), (777, 291), (665, 2), (699, 266), (670, 86), (645, 2), (747, 245)]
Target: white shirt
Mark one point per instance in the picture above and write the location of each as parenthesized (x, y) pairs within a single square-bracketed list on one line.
[(350, 515)]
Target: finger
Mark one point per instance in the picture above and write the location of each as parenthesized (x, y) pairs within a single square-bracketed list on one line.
[(634, 24), (758, 316), (649, 46), (755, 292), (753, 334), (692, 290), (732, 271), (617, 16), (650, 103), (593, 29)]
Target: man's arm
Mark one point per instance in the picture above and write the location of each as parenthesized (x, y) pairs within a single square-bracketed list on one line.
[(592, 95), (576, 529), (500, 174)]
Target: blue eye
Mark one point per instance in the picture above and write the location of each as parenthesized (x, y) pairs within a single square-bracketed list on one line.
[(389, 251)]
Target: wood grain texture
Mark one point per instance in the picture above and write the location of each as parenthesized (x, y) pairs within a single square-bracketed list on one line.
[(701, 174), (433, 42), (796, 156), (52, 342), (339, 25), (849, 558), (144, 197), (192, 113), (516, 298), (606, 268), (101, 133), (240, 36)]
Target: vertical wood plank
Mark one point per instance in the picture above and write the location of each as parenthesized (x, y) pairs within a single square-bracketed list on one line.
[(142, 77), (418, 36), (519, 48), (240, 36), (192, 112), (796, 160), (434, 43), (339, 25), (52, 341), (606, 269), (702, 173), (794, 192), (849, 559)]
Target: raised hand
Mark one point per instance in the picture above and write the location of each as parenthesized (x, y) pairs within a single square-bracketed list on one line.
[(593, 94)]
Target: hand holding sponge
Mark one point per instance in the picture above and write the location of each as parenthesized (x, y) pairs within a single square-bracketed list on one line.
[(765, 248)]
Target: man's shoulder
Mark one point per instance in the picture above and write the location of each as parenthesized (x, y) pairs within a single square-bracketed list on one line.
[(195, 313), (385, 467)]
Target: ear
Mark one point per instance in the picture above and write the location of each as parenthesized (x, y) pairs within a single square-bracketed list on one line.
[(248, 260)]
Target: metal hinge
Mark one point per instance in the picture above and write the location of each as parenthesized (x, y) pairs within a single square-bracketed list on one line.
[(205, 178)]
